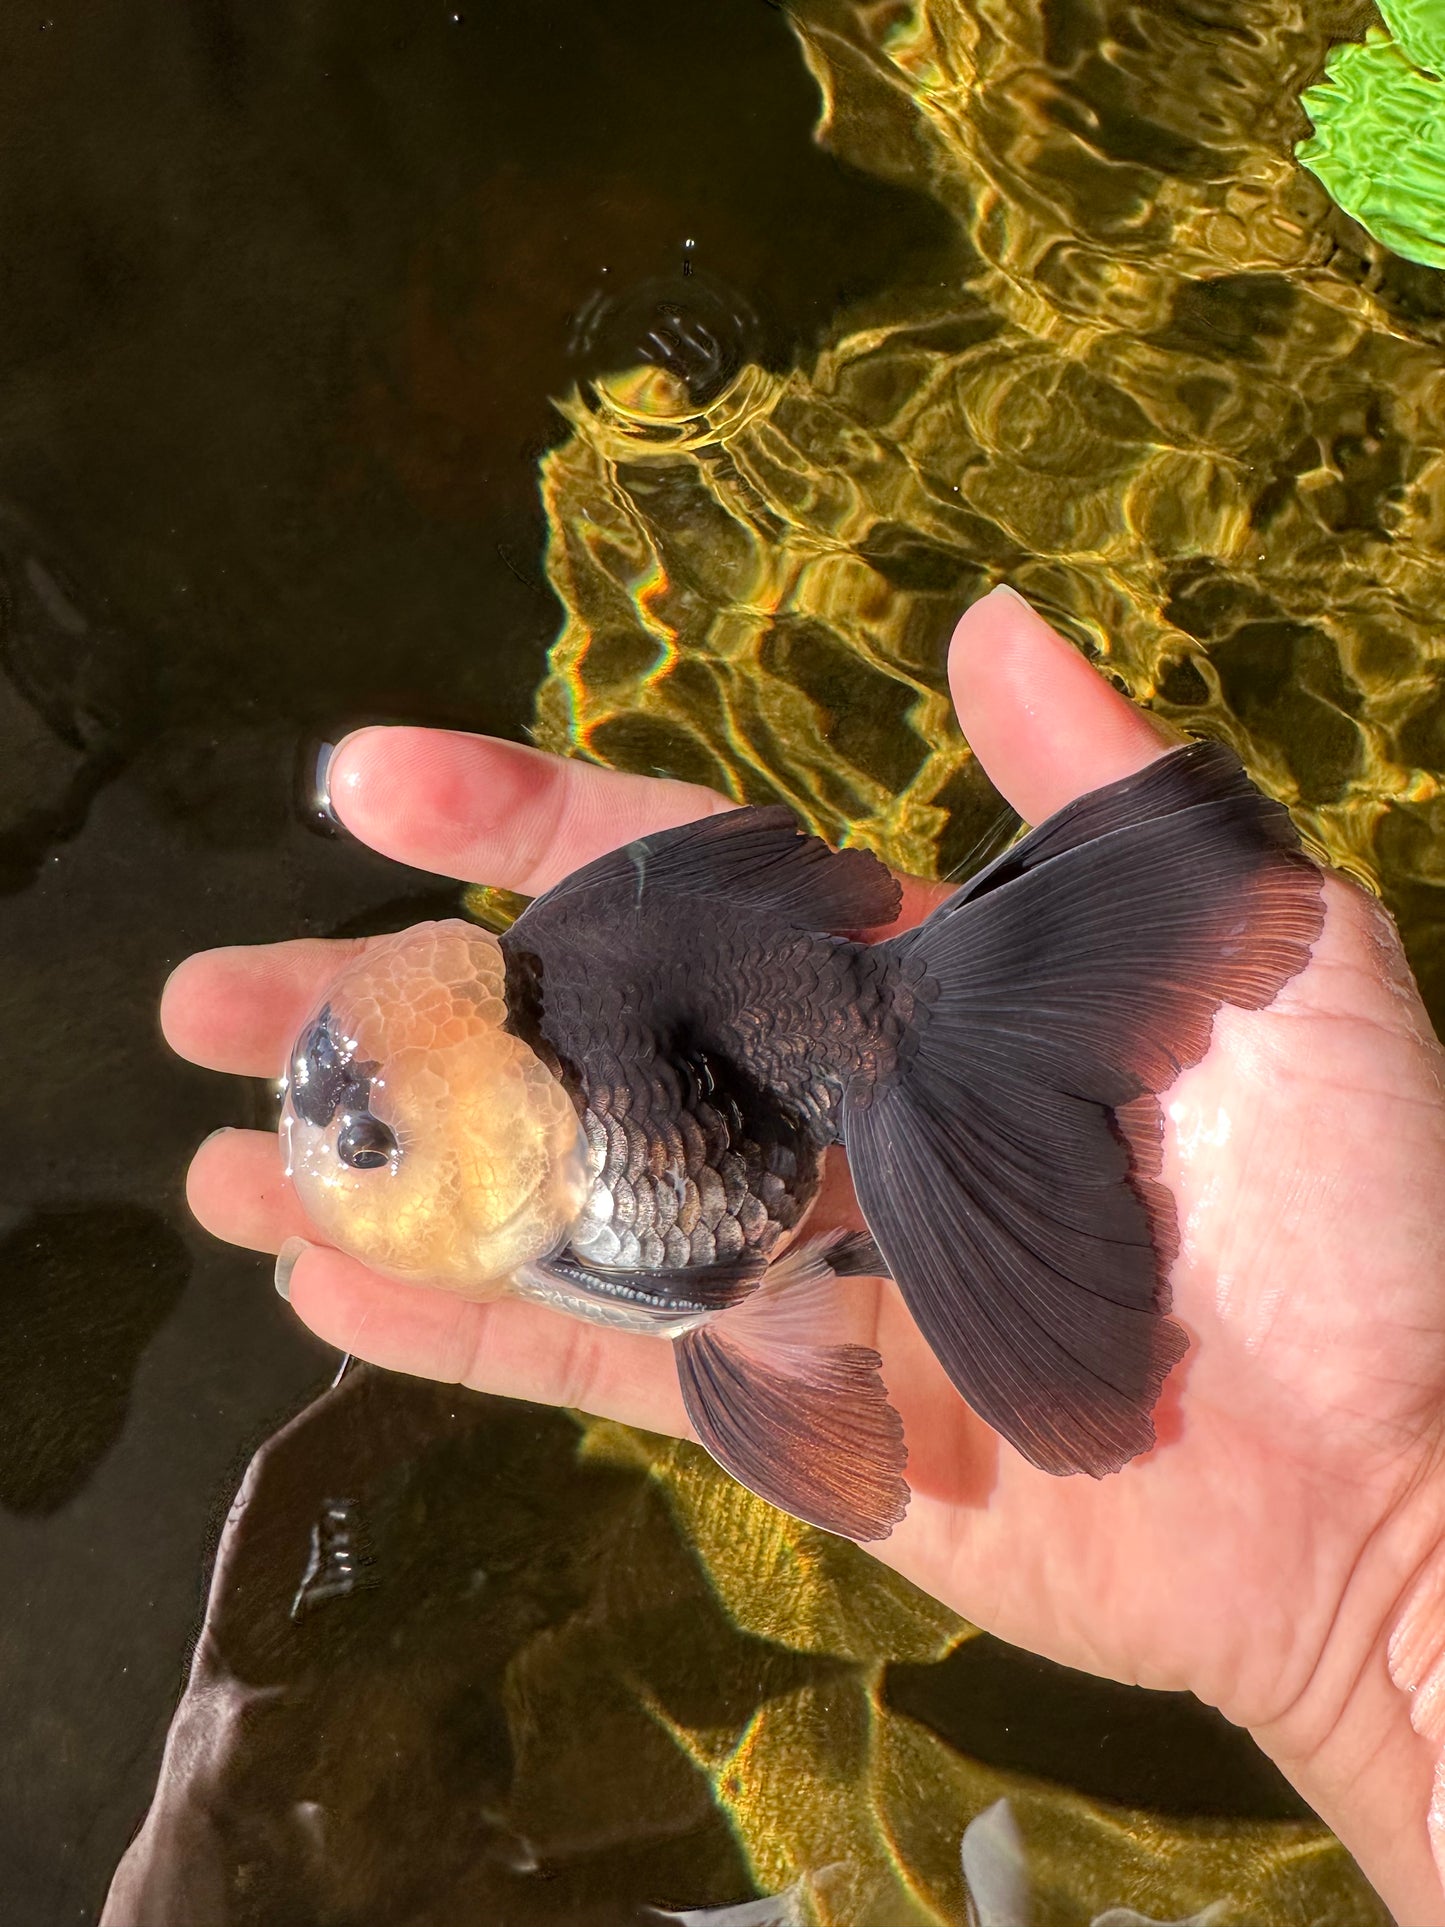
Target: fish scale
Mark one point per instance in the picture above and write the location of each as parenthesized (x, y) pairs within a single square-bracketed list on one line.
[(790, 1023)]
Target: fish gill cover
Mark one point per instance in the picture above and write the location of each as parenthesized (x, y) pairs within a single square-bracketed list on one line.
[(1164, 387)]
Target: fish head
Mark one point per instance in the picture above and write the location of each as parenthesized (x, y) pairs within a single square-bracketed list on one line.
[(421, 1136)]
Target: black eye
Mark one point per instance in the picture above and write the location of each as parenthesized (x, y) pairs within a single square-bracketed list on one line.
[(365, 1143), (317, 1074)]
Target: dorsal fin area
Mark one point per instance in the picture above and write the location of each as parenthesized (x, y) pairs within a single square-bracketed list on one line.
[(751, 859)]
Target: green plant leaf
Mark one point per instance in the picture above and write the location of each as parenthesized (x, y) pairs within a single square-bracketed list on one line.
[(1379, 145), (1419, 26)]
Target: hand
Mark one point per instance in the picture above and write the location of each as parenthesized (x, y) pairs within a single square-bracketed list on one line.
[(1261, 1554)]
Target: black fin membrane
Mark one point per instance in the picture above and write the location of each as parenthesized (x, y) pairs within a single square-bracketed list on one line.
[(807, 1426), (756, 859), (1010, 1168)]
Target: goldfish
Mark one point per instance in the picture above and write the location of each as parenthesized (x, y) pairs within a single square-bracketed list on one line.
[(621, 1107)]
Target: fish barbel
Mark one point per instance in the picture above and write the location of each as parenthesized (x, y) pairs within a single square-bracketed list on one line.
[(621, 1108)]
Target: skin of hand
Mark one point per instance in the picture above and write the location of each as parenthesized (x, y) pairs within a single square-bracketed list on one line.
[(1280, 1552)]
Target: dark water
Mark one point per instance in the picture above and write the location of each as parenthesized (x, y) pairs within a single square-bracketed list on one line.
[(246, 500)]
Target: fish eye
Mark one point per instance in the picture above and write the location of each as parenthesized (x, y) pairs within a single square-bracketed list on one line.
[(316, 1073), (365, 1143)]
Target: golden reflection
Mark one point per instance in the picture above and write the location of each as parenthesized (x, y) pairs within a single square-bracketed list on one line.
[(830, 1787), (1196, 415), (645, 409), (1170, 392)]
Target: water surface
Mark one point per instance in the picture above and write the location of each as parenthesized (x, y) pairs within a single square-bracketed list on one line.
[(285, 294)]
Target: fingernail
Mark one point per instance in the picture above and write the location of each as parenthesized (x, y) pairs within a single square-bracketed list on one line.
[(286, 1259), (1166, 731), (313, 785), (321, 786)]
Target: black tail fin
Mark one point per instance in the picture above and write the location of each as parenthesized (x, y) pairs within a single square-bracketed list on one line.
[(1008, 1167)]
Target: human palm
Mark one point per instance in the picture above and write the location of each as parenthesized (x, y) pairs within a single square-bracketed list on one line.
[(1259, 1554)]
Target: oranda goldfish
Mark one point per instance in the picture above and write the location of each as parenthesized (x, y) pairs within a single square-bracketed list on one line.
[(621, 1108)]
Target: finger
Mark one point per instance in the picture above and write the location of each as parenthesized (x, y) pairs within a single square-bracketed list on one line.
[(516, 1349), (1044, 724), (492, 812), (495, 812), (239, 1009), (238, 1189)]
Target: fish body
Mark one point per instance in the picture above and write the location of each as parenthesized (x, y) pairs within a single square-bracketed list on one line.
[(707, 1055), (621, 1108)]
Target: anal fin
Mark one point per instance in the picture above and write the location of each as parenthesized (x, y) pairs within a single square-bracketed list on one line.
[(805, 1425)]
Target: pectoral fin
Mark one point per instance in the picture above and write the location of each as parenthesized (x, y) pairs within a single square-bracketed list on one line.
[(803, 1423)]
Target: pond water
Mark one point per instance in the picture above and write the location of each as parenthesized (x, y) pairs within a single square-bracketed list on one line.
[(286, 296)]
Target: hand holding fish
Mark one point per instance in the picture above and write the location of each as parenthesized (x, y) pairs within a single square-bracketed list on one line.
[(1281, 1550)]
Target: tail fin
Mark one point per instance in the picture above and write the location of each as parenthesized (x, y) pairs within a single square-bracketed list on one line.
[(1008, 1167)]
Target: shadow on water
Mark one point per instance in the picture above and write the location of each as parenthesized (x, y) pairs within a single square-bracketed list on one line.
[(84, 1292), (1164, 1752), (349, 1746), (284, 294)]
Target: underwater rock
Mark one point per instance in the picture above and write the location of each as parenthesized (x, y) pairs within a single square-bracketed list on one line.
[(1215, 1912), (778, 1910), (356, 1740), (995, 1870)]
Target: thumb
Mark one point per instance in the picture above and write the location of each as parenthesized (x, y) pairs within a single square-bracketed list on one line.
[(1043, 723)]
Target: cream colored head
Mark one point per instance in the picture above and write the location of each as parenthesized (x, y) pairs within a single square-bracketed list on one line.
[(421, 1136)]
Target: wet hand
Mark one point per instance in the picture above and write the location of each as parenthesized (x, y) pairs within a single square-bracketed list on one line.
[(1263, 1553)]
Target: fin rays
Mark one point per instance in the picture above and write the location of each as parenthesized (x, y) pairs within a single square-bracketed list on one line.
[(756, 859), (806, 1426), (1010, 1169)]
